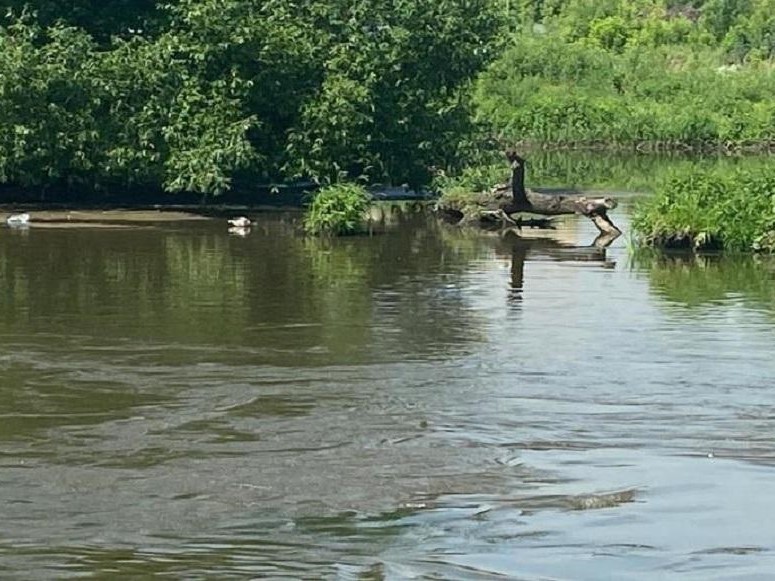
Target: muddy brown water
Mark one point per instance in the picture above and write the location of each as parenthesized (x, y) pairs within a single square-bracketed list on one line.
[(179, 401)]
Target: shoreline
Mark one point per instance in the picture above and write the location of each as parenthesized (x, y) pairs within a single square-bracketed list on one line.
[(18, 199), (80, 215)]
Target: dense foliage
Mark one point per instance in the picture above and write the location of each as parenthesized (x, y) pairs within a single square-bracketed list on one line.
[(338, 209), (102, 19), (208, 95), (203, 95), (139, 115), (711, 209), (652, 74)]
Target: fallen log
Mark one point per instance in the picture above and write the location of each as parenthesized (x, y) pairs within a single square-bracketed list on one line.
[(513, 198)]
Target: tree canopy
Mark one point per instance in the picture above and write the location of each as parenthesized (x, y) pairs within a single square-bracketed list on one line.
[(197, 95), (100, 18)]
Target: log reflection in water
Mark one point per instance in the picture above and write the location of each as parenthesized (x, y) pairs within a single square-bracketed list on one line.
[(520, 249)]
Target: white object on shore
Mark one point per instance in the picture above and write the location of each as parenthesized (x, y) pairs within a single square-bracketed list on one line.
[(241, 222), (18, 219)]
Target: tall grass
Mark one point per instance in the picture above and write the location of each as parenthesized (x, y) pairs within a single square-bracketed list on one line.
[(711, 209), (546, 90)]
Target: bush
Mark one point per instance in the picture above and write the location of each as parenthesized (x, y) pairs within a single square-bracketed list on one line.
[(338, 209), (141, 115), (708, 208)]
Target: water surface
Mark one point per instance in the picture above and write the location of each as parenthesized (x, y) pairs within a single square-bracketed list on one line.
[(423, 403)]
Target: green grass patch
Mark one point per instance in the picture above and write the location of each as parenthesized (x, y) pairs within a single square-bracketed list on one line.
[(706, 209)]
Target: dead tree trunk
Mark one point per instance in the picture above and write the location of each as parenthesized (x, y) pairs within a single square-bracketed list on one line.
[(523, 200), (512, 198)]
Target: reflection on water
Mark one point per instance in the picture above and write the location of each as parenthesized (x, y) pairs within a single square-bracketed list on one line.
[(426, 402), (520, 247), (708, 281)]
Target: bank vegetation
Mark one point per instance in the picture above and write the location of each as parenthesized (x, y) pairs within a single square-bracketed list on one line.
[(211, 95), (645, 75)]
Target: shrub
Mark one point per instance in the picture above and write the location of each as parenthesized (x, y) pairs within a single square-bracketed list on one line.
[(709, 208), (338, 209)]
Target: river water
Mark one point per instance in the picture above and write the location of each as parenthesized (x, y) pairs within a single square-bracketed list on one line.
[(423, 403)]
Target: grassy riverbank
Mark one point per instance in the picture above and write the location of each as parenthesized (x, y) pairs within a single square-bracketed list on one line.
[(648, 75), (594, 170), (653, 100), (708, 209)]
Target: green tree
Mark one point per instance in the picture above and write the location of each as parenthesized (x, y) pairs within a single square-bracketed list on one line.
[(136, 115), (371, 88), (236, 89), (101, 18)]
